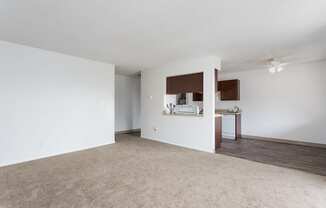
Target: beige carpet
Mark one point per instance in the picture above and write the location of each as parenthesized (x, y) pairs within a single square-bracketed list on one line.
[(140, 173)]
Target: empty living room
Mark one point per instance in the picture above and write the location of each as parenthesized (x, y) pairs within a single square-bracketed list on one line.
[(155, 104)]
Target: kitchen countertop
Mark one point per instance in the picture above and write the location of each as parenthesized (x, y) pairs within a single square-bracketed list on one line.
[(183, 114), (217, 114), (225, 112)]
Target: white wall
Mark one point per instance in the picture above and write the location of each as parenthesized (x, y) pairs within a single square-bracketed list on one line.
[(287, 105), (127, 102), (52, 103), (191, 132)]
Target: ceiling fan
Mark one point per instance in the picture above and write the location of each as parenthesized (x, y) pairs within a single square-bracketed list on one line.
[(273, 64), (276, 65)]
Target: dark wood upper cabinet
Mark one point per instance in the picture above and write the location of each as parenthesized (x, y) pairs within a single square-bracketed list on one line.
[(230, 89), (185, 83)]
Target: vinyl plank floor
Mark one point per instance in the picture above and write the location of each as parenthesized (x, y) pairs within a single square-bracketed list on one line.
[(309, 159)]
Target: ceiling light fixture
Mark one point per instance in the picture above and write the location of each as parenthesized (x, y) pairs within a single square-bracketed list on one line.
[(279, 69), (272, 70), (276, 66)]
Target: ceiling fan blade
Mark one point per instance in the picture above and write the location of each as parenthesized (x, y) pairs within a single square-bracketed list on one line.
[(284, 64), (267, 63), (306, 60)]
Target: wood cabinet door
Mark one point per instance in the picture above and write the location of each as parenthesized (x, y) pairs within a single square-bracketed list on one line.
[(218, 132), (230, 89), (185, 83), (237, 126), (216, 80)]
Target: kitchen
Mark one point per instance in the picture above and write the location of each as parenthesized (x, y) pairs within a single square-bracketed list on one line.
[(184, 97)]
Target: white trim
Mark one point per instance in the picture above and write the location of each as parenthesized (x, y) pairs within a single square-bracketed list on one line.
[(52, 155)]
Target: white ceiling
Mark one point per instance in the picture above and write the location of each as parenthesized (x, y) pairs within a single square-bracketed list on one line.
[(138, 34)]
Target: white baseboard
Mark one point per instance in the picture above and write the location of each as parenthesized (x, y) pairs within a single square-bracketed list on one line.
[(128, 131), (10, 163), (285, 141), (180, 145)]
